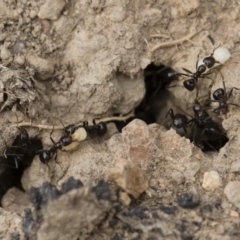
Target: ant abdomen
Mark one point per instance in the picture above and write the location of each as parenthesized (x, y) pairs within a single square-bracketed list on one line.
[(189, 84), (179, 120)]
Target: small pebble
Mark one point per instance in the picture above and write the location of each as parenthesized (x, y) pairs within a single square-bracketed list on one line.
[(32, 14), (234, 214), (5, 53), (188, 200), (177, 177), (211, 181)]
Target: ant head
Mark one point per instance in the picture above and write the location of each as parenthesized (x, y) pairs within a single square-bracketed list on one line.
[(179, 120), (169, 77), (209, 61), (201, 69), (45, 156), (102, 128), (70, 129), (189, 84), (218, 94)]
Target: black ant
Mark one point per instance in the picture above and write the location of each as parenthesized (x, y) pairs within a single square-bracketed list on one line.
[(71, 139), (220, 96), (19, 148), (218, 57), (73, 135), (205, 133), (203, 124), (179, 121)]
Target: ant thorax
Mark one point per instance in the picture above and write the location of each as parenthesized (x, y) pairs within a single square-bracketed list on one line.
[(78, 136)]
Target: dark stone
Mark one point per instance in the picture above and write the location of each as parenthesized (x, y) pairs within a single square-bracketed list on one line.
[(102, 191), (188, 200), (71, 184), (168, 209)]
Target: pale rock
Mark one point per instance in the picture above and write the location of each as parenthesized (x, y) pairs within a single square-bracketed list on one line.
[(129, 177), (51, 9), (19, 59), (136, 138), (234, 214), (235, 166), (191, 169), (5, 53), (232, 192), (15, 200), (32, 14), (177, 177), (211, 181)]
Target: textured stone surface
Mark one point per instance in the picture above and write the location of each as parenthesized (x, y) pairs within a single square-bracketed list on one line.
[(51, 9), (129, 177), (232, 192)]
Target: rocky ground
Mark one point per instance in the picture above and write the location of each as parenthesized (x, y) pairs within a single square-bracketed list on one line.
[(80, 60)]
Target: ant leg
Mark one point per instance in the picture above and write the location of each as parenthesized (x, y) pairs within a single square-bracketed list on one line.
[(55, 160), (184, 112), (186, 70), (234, 104), (60, 122), (184, 74), (210, 100), (6, 165), (196, 92), (170, 113), (51, 137), (174, 86), (197, 61), (212, 130), (214, 149), (230, 93), (16, 163)]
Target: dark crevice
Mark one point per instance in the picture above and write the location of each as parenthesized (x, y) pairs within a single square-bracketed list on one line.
[(158, 79)]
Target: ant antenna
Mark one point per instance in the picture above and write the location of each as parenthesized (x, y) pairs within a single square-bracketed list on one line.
[(184, 112), (60, 121)]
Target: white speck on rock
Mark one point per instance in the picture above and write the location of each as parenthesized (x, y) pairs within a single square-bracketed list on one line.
[(211, 181)]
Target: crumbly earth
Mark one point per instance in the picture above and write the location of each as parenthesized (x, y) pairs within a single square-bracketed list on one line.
[(85, 59)]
